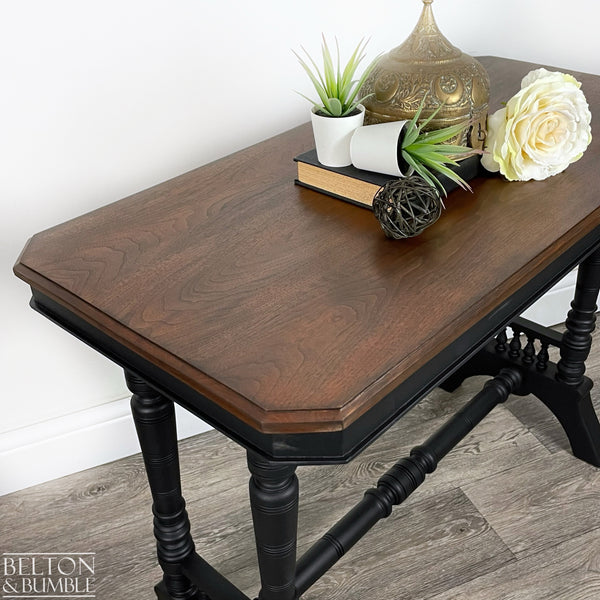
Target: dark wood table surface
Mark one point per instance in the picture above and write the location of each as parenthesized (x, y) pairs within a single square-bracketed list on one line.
[(285, 312)]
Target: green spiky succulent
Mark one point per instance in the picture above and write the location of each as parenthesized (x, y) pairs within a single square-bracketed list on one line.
[(337, 88), (428, 155)]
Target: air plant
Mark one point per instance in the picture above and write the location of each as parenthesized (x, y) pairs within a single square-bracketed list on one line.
[(428, 155), (337, 89)]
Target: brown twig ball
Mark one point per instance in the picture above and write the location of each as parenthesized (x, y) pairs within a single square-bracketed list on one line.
[(405, 207)]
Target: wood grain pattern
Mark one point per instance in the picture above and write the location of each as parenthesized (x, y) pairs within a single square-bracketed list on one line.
[(568, 571), (290, 309), (532, 523)]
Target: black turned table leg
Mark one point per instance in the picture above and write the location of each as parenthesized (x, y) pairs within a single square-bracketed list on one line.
[(274, 503), (154, 417), (578, 416), (580, 323)]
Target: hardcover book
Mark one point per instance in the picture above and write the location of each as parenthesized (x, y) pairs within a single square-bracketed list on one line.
[(357, 186)]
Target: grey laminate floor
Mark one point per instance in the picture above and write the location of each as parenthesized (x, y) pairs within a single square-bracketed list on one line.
[(509, 515)]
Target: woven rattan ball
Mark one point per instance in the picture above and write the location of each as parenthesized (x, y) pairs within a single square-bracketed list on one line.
[(405, 207)]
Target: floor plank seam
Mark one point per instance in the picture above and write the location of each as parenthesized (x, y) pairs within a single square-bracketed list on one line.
[(522, 556)]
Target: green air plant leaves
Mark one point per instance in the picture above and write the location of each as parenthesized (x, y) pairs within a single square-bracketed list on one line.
[(337, 88), (427, 154)]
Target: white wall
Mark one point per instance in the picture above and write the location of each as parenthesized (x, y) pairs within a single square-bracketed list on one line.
[(102, 99)]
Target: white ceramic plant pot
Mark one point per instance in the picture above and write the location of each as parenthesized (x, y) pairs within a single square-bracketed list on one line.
[(333, 135), (376, 148)]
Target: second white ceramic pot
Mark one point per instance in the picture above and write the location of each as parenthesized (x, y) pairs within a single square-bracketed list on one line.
[(376, 148)]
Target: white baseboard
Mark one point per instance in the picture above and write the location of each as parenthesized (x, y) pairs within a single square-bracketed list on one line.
[(93, 437), (75, 442)]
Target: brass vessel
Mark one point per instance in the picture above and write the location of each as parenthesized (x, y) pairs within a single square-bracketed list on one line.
[(428, 65)]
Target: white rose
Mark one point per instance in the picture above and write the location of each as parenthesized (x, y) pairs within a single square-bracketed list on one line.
[(542, 130)]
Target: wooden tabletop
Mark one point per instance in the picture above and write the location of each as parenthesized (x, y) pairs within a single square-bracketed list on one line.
[(290, 309)]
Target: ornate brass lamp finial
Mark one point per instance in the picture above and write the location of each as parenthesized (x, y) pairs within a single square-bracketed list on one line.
[(426, 65)]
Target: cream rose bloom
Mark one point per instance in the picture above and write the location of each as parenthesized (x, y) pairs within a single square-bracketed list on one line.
[(542, 130)]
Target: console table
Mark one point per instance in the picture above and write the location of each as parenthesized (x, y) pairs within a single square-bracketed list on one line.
[(285, 319)]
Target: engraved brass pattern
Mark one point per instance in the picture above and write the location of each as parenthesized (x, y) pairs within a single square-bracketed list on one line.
[(427, 64)]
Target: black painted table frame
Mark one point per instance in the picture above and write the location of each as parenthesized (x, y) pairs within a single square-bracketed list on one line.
[(516, 368), (520, 370)]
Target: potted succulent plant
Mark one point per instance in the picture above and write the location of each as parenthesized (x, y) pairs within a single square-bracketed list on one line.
[(403, 147), (339, 110)]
